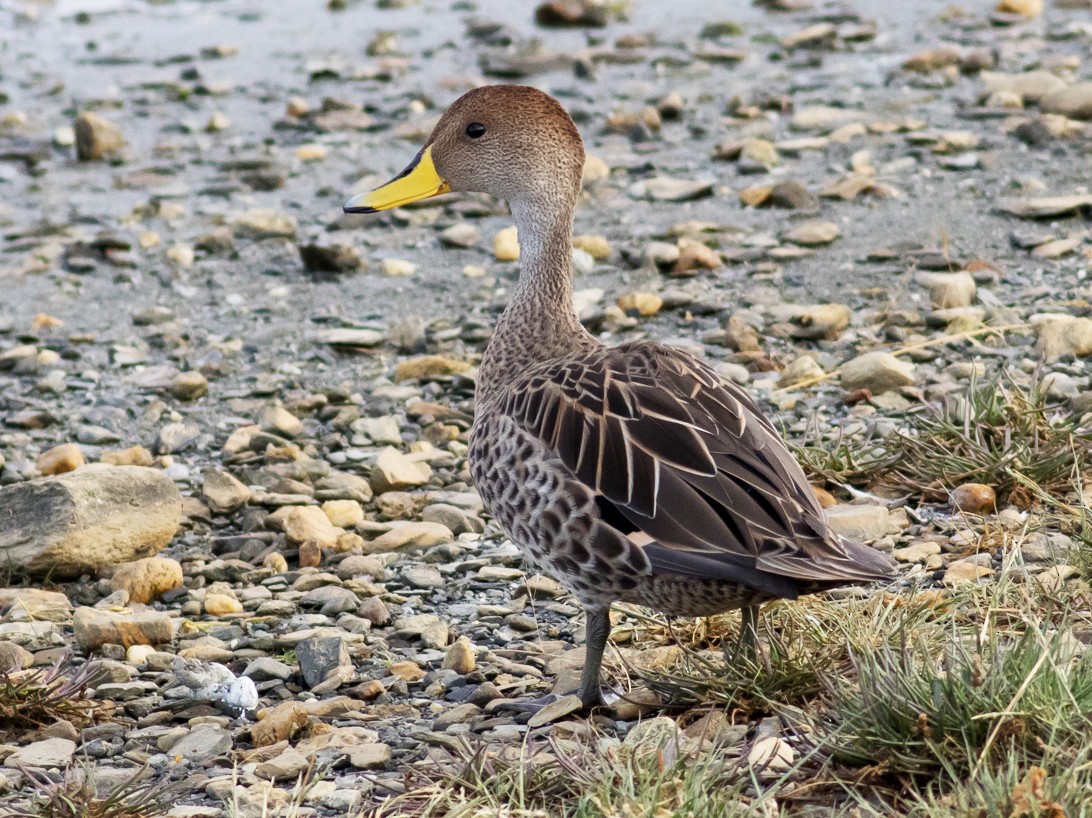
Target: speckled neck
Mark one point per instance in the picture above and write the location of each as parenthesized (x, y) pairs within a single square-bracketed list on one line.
[(539, 323)]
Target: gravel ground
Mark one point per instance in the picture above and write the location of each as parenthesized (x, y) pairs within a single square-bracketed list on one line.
[(780, 191)]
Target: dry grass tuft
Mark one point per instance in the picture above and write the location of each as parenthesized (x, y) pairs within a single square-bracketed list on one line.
[(37, 698), (76, 795)]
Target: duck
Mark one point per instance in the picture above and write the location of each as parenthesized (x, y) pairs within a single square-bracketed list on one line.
[(631, 473)]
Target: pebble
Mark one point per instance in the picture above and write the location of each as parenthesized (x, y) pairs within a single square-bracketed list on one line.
[(771, 754), (1073, 101), (460, 657), (264, 223), (224, 493), (813, 233), (60, 459), (306, 524), (877, 372), (189, 386), (506, 245), (47, 754), (863, 523), (394, 471), (950, 290), (94, 628), (96, 136), (398, 267), (974, 498), (639, 303), (148, 579)]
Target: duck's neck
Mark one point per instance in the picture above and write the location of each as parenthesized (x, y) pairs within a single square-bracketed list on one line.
[(539, 323)]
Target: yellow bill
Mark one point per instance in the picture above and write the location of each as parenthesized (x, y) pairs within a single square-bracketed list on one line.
[(418, 181)]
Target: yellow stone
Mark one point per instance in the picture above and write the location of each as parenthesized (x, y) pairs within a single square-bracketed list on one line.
[(343, 513), (222, 605), (595, 170), (133, 456), (407, 671), (428, 366), (596, 246), (60, 459), (643, 303), (311, 153), (398, 267), (506, 245), (275, 562)]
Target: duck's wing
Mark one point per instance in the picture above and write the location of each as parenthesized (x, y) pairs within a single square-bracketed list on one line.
[(686, 465)]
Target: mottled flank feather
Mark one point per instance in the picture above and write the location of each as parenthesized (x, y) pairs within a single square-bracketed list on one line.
[(673, 473)]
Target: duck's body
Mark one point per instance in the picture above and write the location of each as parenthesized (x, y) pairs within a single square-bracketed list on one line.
[(631, 472)]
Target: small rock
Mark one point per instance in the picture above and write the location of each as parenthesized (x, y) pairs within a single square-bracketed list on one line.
[(556, 710), (282, 723), (94, 627), (813, 233), (398, 267), (223, 493), (307, 523), (330, 258), (189, 386), (428, 366), (640, 303), (666, 189), (916, 553), (821, 322), (96, 136), (370, 756), (596, 246), (1059, 335), (964, 571), (460, 657), (950, 290), (47, 754), (290, 764), (203, 741), (506, 244), (460, 235), (222, 604), (974, 498), (864, 523), (771, 753), (343, 513), (1025, 8), (409, 536), (320, 656), (263, 223), (1074, 101), (803, 368), (147, 579), (877, 372), (657, 737), (278, 420), (394, 471), (60, 459)]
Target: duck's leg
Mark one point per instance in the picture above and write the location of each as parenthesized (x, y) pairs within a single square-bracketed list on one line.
[(590, 693), (598, 631), (747, 644)]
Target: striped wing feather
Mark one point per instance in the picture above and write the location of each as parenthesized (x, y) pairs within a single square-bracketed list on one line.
[(686, 459)]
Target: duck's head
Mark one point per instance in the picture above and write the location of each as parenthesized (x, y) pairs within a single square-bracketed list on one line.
[(510, 141)]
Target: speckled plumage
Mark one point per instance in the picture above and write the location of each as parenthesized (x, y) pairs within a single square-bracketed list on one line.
[(632, 472)]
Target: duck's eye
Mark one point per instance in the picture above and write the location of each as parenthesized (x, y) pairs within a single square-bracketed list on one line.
[(475, 129)]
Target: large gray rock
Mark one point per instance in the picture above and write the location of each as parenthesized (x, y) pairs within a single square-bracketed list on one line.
[(77, 522)]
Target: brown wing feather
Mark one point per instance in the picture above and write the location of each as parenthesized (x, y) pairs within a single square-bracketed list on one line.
[(690, 460)]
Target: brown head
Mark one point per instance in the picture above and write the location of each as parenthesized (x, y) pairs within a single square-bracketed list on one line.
[(510, 141)]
